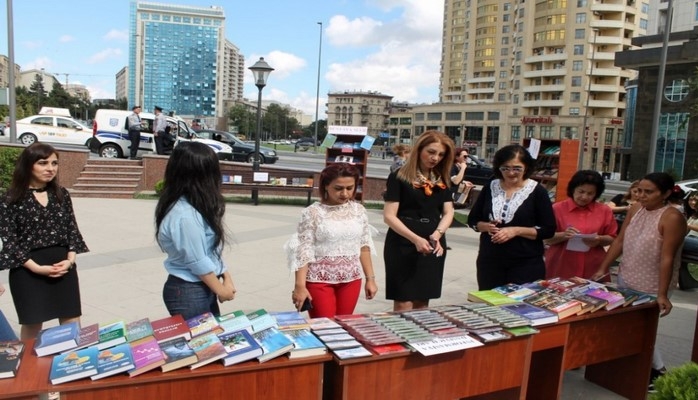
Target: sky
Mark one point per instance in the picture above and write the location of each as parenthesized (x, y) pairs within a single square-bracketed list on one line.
[(389, 46)]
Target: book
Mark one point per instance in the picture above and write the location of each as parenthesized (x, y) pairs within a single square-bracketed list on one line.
[(261, 320), (139, 329), (562, 306), (353, 352), (563, 286), (113, 361), (522, 331), (441, 345), (57, 339), (234, 321), (89, 336), (11, 352), (537, 315), (490, 297), (305, 344), (321, 323), (289, 320), (614, 299), (367, 142), (273, 343), (111, 334), (146, 355), (595, 302), (240, 346), (515, 291), (208, 348), (177, 354), (394, 348), (74, 365), (170, 327), (203, 324)]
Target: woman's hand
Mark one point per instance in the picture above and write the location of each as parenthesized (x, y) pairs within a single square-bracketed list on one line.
[(423, 246), (229, 290), (57, 270), (370, 288), (435, 244), (598, 275), (593, 242), (503, 235), (568, 233), (665, 306), (298, 296)]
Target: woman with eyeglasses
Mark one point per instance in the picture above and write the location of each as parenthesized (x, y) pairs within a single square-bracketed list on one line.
[(513, 215), (580, 213)]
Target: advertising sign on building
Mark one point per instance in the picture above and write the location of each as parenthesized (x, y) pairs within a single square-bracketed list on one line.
[(347, 130)]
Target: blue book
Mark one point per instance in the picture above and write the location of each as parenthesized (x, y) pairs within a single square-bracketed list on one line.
[(537, 315), (273, 342), (261, 320), (57, 339), (305, 344), (74, 365), (114, 360), (367, 142), (240, 346)]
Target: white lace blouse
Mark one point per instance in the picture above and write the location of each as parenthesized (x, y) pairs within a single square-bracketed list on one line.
[(329, 241)]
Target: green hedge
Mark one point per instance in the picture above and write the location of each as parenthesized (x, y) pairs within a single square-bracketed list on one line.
[(8, 159)]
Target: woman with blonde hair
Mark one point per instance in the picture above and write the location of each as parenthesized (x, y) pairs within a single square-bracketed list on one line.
[(402, 151), (418, 210)]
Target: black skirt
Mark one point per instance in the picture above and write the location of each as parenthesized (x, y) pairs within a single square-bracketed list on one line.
[(39, 298)]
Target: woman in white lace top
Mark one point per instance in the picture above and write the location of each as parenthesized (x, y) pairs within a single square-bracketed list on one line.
[(332, 247)]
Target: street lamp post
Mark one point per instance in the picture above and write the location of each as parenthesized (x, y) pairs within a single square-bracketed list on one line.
[(317, 93), (260, 71), (580, 161)]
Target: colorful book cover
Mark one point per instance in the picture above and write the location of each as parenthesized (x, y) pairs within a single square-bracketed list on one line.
[(202, 324), (305, 344), (329, 141), (136, 330), (74, 365), (146, 355), (367, 142), (170, 327), (89, 336), (537, 315), (490, 297), (596, 303), (261, 320), (240, 346), (321, 323), (515, 291), (10, 358), (57, 338), (353, 352), (234, 321), (614, 299), (273, 342), (112, 334), (289, 320), (177, 354), (208, 348), (114, 360)]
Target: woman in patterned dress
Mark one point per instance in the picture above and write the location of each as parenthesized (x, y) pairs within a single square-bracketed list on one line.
[(332, 247), (40, 242)]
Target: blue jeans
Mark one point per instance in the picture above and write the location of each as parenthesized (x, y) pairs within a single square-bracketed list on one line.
[(6, 332), (188, 298)]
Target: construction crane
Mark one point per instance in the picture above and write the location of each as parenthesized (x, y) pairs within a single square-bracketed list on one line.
[(67, 74)]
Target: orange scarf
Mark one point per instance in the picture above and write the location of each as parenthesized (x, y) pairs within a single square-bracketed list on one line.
[(428, 184)]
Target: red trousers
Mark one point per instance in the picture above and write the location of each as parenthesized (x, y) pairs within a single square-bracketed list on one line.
[(330, 299)]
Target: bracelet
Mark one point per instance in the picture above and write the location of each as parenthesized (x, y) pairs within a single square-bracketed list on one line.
[(369, 277), (440, 231)]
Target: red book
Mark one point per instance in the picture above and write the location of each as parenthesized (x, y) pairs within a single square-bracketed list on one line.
[(170, 327)]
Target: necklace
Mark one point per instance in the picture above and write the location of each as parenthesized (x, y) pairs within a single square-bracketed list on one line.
[(38, 190)]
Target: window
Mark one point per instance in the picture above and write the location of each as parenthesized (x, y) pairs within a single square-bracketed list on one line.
[(581, 3), (453, 116), (502, 74), (577, 65), (608, 139), (43, 121), (505, 40), (501, 97), (576, 81), (579, 33), (677, 90), (645, 8), (515, 133), (475, 116), (546, 132), (643, 23), (505, 29), (578, 49), (530, 131), (502, 85), (575, 97), (574, 110), (434, 116), (504, 51), (568, 132), (580, 18)]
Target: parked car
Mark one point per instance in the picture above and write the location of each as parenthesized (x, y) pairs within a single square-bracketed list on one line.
[(304, 144), (478, 172), (52, 125), (689, 185), (242, 151)]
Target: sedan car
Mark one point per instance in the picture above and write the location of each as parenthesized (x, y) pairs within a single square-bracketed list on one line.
[(241, 151), (477, 172), (52, 129)]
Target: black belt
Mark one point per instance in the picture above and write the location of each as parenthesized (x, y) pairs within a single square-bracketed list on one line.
[(422, 220)]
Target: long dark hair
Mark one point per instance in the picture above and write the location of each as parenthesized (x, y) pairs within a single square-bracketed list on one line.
[(334, 171), (23, 172), (193, 172)]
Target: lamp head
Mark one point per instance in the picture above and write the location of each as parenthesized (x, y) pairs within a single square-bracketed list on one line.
[(260, 71)]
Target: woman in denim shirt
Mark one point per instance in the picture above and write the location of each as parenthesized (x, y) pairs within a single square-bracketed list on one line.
[(189, 222)]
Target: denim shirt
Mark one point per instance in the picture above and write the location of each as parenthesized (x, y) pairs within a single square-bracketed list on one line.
[(187, 238)]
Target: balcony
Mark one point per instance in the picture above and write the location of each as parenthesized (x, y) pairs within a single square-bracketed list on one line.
[(480, 90), (545, 72), (546, 57), (606, 8), (604, 72), (607, 88), (543, 103), (485, 79), (544, 88), (607, 23), (603, 104)]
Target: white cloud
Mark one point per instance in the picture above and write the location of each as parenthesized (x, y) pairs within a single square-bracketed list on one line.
[(115, 34), (344, 32), (104, 55), (284, 64), (66, 39), (38, 63)]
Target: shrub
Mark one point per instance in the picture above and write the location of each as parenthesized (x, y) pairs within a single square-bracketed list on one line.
[(159, 186), (680, 383), (8, 160)]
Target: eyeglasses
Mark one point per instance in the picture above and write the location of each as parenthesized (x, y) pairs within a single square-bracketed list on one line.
[(516, 170)]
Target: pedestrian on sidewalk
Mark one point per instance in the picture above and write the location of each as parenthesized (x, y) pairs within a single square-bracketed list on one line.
[(134, 131)]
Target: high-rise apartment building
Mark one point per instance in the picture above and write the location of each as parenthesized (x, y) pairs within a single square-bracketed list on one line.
[(121, 89), (357, 108), (175, 58), (5, 71), (233, 73), (542, 69)]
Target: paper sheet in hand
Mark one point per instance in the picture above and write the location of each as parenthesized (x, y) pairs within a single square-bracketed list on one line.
[(577, 244)]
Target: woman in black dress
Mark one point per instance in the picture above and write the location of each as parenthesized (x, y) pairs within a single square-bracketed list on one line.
[(41, 240), (418, 209)]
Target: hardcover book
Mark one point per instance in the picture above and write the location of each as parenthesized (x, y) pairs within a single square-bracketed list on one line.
[(394, 348), (114, 360), (558, 304), (203, 324), (177, 354), (537, 315), (146, 355), (240, 346), (112, 334), (614, 299), (289, 320), (234, 321), (89, 336), (490, 297), (208, 348), (74, 365), (10, 357), (273, 342), (321, 323), (57, 338), (305, 344), (261, 320), (515, 291), (353, 352), (596, 303), (139, 329), (170, 327)]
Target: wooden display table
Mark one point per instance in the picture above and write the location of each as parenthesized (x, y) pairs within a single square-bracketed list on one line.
[(615, 346), (495, 371)]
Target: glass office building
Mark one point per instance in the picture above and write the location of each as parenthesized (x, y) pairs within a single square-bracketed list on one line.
[(174, 54)]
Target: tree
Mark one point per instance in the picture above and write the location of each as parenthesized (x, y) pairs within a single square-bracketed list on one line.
[(39, 91), (321, 132), (242, 119)]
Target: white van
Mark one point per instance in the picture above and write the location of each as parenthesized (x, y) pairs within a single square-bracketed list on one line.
[(110, 136)]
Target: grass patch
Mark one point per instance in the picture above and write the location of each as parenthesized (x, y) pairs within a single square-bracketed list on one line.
[(693, 269), (460, 219)]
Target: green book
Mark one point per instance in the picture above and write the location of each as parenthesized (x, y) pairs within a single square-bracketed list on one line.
[(490, 297), (112, 334)]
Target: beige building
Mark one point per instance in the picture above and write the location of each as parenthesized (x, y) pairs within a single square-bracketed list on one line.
[(5, 71), (233, 72), (359, 108), (542, 69), (77, 90), (121, 89), (26, 78)]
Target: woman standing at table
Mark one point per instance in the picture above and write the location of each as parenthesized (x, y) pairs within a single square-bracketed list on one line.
[(418, 210), (41, 240), (513, 215)]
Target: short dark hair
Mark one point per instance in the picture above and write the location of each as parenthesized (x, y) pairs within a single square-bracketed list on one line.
[(134, 108), (585, 177), (511, 152), (334, 171)]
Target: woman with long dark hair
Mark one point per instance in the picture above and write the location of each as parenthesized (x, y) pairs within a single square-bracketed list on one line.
[(40, 242), (190, 229)]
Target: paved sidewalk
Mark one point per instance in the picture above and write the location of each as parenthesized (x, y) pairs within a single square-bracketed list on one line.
[(122, 276)]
